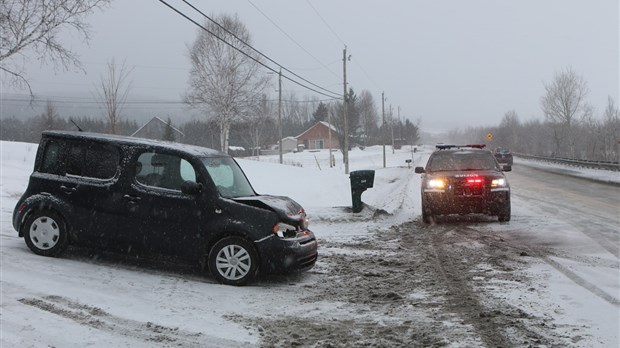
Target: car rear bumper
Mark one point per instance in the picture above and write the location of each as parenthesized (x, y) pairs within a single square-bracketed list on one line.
[(505, 160), (286, 255), (441, 203)]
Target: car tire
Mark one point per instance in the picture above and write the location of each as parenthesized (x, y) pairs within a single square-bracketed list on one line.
[(504, 215), (233, 261), (45, 233), (427, 214)]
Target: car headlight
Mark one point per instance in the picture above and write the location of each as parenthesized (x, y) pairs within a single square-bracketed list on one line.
[(498, 182), (304, 224), (436, 184), (284, 230)]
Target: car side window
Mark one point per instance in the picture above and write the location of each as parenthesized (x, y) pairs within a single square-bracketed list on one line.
[(52, 161), (163, 170), (92, 160)]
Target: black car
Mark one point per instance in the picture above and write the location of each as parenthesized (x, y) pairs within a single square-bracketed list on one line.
[(161, 198), (464, 179), (503, 155)]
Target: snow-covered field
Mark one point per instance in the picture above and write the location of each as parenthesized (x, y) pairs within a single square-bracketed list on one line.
[(77, 301)]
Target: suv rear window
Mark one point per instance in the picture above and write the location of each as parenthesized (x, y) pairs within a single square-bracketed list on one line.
[(461, 160)]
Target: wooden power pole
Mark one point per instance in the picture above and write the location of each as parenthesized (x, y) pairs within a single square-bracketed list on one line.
[(280, 114), (383, 124), (345, 152)]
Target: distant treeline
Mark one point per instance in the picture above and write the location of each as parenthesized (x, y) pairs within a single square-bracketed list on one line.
[(591, 139)]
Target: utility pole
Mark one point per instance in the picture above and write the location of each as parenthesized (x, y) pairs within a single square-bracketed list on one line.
[(280, 113), (392, 127), (345, 153), (383, 124), (329, 132)]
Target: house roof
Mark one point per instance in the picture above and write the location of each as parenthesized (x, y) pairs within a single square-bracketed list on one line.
[(325, 124), (157, 119)]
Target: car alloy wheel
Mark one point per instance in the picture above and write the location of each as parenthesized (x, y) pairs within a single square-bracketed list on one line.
[(233, 261)]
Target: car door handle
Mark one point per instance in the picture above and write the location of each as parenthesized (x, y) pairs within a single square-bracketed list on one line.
[(67, 190), (132, 199)]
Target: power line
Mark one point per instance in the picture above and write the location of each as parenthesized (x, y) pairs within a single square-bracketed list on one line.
[(340, 39), (252, 48), (78, 100), (287, 35), (85, 100), (249, 56), (325, 22)]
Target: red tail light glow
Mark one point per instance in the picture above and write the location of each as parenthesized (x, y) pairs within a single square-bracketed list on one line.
[(474, 181)]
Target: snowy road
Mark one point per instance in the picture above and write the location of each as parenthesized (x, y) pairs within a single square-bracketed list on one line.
[(592, 208), (548, 278)]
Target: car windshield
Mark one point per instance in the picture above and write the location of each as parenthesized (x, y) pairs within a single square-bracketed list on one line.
[(502, 150), (228, 177), (461, 160)]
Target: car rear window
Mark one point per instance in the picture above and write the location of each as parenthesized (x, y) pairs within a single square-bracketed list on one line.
[(83, 159)]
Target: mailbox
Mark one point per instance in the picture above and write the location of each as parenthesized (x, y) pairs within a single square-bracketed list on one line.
[(360, 181)]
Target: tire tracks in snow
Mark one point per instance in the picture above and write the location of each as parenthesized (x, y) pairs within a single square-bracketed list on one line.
[(149, 332), (595, 290), (455, 253)]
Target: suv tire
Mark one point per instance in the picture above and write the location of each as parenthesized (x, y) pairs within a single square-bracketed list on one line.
[(45, 233), (504, 215), (427, 214), (233, 261)]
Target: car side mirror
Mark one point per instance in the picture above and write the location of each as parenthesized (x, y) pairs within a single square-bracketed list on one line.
[(507, 168), (191, 187), (420, 170)]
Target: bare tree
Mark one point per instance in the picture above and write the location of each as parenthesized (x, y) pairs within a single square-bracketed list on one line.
[(224, 83), (368, 116), (35, 25), (113, 92), (563, 104), (49, 118), (611, 131), (257, 125), (507, 132)]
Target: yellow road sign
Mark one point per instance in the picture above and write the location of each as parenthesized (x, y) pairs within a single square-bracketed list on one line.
[(489, 136)]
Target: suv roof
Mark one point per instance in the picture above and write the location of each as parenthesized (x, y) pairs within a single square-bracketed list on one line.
[(461, 157), (448, 147), (127, 140)]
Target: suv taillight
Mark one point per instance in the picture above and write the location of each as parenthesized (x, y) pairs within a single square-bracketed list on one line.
[(474, 181)]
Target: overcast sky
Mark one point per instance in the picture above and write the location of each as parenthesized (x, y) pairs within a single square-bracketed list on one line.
[(449, 63)]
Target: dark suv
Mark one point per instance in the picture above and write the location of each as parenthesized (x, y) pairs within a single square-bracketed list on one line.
[(159, 198), (503, 155), (464, 179)]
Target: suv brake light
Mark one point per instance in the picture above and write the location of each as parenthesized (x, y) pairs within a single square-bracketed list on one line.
[(475, 181)]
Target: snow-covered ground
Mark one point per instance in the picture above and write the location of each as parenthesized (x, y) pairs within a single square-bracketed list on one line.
[(76, 301)]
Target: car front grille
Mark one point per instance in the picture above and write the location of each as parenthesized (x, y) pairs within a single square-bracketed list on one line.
[(462, 188)]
